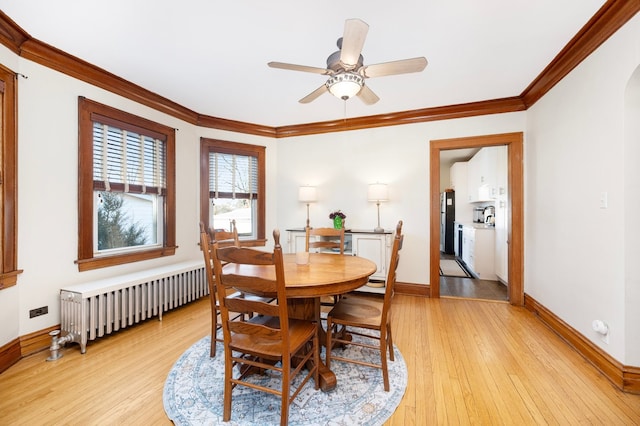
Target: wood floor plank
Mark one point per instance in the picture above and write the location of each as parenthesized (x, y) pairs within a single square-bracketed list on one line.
[(469, 362)]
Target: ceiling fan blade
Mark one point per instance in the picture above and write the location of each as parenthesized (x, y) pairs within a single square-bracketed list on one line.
[(367, 96), (314, 95), (302, 68), (403, 66), (355, 31)]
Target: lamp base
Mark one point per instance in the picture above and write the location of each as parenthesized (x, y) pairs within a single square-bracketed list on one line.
[(378, 229)]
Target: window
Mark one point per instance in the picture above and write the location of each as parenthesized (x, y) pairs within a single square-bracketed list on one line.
[(127, 187), (8, 180), (232, 186)]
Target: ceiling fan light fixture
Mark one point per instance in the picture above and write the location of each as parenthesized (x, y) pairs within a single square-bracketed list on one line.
[(344, 85)]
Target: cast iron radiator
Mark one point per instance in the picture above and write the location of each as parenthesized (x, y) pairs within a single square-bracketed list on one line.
[(94, 309)]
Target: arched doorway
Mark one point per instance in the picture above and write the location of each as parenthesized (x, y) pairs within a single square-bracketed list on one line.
[(515, 232)]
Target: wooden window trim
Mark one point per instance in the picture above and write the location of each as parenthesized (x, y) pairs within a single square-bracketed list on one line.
[(207, 145), (9, 178), (86, 259)]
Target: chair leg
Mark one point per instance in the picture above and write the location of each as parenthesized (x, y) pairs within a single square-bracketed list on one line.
[(383, 361), (228, 372), (390, 342), (284, 406)]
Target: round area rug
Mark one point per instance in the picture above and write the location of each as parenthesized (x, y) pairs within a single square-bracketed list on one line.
[(193, 392)]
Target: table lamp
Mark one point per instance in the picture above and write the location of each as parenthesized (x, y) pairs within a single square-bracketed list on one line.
[(378, 192), (307, 194)]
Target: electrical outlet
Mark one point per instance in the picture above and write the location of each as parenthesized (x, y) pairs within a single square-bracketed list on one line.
[(38, 311)]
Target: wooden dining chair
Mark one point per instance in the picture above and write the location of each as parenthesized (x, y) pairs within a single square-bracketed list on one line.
[(372, 314), (225, 238), (323, 239), (206, 246), (269, 340)]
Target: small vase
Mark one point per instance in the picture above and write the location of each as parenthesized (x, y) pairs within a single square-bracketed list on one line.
[(337, 222)]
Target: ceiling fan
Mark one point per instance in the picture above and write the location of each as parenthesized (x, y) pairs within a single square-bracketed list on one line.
[(346, 69)]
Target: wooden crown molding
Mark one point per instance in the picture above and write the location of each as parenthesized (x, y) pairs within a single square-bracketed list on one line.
[(609, 19), (613, 15), (495, 106)]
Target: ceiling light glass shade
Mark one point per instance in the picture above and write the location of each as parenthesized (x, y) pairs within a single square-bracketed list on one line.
[(378, 192), (307, 194), (345, 85)]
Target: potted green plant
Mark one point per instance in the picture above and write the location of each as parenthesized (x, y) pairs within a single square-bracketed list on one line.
[(338, 219)]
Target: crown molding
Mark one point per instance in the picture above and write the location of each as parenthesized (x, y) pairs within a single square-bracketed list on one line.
[(609, 19), (495, 106), (611, 16)]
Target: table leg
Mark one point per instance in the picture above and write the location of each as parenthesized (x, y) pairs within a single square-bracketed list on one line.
[(309, 309)]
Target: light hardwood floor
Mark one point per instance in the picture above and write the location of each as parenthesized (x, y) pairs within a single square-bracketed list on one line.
[(469, 362)]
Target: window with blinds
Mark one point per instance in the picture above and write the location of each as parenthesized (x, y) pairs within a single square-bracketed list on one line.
[(128, 182), (127, 186), (234, 187)]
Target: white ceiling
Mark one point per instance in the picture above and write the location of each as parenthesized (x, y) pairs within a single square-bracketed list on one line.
[(211, 56)]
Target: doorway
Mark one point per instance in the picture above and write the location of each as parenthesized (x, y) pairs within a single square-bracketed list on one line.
[(515, 197)]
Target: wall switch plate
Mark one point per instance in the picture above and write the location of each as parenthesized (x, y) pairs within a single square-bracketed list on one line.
[(604, 202), (38, 311)]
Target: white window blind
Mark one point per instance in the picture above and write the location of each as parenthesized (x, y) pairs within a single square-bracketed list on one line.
[(233, 176), (127, 161)]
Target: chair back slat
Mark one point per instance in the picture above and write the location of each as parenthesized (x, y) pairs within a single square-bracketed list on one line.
[(238, 304), (324, 238), (225, 238)]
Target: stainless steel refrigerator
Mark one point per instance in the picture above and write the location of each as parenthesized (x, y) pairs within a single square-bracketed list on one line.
[(447, 217)]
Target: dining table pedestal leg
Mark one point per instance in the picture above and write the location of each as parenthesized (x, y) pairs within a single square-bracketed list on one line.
[(309, 309)]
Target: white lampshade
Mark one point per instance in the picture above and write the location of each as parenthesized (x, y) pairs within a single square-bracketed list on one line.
[(378, 192), (307, 194)]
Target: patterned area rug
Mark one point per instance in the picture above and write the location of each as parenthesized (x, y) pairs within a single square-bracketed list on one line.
[(194, 389)]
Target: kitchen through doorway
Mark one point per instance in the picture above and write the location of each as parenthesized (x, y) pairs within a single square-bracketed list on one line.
[(473, 185), (502, 203)]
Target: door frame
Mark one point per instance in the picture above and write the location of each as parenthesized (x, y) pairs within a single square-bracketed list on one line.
[(515, 198)]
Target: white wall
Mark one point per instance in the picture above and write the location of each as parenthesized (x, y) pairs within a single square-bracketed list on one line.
[(341, 165), (47, 176), (575, 251)]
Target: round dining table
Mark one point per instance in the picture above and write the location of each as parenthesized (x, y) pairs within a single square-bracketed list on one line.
[(325, 274)]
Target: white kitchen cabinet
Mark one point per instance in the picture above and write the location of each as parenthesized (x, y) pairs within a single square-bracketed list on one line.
[(482, 175), (478, 250), (371, 245)]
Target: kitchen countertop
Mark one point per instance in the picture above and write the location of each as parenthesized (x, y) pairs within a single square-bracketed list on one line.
[(477, 225)]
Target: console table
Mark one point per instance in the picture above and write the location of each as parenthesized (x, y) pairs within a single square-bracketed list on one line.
[(375, 246)]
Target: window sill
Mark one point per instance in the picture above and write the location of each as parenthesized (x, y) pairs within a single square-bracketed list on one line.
[(9, 279), (121, 259)]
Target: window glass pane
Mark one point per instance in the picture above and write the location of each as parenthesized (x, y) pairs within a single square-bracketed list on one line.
[(224, 210), (127, 220), (233, 176)]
